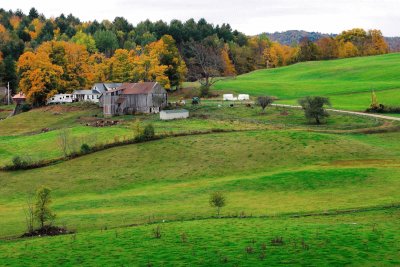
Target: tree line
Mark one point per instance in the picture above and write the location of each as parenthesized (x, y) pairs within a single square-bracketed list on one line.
[(43, 56)]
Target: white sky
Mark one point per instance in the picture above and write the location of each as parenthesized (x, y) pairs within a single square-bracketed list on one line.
[(248, 16)]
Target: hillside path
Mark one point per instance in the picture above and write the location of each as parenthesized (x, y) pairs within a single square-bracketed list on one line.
[(348, 112)]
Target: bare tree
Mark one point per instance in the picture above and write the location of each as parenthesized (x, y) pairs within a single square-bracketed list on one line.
[(264, 101), (205, 64), (63, 141), (29, 214)]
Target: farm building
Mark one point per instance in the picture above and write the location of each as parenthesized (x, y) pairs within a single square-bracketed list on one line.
[(94, 94), (243, 97), (19, 98), (174, 114), (60, 99), (131, 98), (229, 97)]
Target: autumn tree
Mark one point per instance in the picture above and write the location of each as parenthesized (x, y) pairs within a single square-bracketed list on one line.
[(54, 68), (229, 68), (121, 65), (307, 50), (328, 48), (39, 78)]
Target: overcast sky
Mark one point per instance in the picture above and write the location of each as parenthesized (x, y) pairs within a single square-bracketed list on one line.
[(248, 16)]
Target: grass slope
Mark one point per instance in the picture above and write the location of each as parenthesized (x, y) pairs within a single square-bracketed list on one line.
[(363, 239), (21, 137), (264, 172), (347, 81)]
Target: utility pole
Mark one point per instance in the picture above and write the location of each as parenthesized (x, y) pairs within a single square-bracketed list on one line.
[(8, 93)]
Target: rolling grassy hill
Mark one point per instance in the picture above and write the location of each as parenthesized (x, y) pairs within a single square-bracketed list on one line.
[(348, 82), (273, 168)]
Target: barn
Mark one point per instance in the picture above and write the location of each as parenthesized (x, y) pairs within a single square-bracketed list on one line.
[(131, 98)]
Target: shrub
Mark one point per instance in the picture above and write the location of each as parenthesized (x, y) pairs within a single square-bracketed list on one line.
[(217, 200), (85, 148), (313, 107), (157, 232), (20, 163), (264, 101), (148, 132), (383, 109), (26, 107)]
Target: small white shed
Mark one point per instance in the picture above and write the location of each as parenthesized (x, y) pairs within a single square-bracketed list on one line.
[(174, 114), (243, 97)]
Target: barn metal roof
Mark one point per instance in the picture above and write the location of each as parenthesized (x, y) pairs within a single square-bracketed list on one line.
[(135, 88)]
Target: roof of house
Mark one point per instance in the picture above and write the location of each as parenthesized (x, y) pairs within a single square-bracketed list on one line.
[(20, 95), (136, 88), (86, 92), (104, 87)]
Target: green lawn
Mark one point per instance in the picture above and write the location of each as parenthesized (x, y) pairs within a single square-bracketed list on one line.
[(348, 82)]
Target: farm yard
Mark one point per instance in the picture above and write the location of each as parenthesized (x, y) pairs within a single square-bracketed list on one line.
[(297, 193)]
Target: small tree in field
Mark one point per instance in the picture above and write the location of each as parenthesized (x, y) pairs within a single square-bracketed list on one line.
[(43, 213), (217, 200), (313, 107), (264, 101)]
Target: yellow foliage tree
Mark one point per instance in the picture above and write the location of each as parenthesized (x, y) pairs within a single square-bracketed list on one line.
[(229, 68), (347, 49)]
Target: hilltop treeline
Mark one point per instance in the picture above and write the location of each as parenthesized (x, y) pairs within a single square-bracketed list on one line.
[(43, 56)]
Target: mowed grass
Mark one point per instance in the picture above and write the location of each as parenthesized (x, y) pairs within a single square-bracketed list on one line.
[(262, 172), (360, 239), (348, 82)]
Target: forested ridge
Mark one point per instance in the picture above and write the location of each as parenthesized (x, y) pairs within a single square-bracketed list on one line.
[(44, 56)]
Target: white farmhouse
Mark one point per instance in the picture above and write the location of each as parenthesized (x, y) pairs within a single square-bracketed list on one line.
[(94, 94), (60, 99), (174, 114)]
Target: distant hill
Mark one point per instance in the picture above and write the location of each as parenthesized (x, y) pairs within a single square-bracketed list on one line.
[(294, 37)]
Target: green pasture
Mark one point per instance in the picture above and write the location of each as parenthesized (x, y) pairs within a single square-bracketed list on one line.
[(360, 239), (348, 82)]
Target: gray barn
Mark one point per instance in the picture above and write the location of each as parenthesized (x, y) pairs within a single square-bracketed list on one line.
[(131, 98)]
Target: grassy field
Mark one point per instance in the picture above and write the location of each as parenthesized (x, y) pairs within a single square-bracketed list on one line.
[(20, 136), (348, 82), (364, 239), (271, 167)]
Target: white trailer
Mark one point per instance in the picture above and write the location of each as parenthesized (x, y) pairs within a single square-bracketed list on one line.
[(174, 114)]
